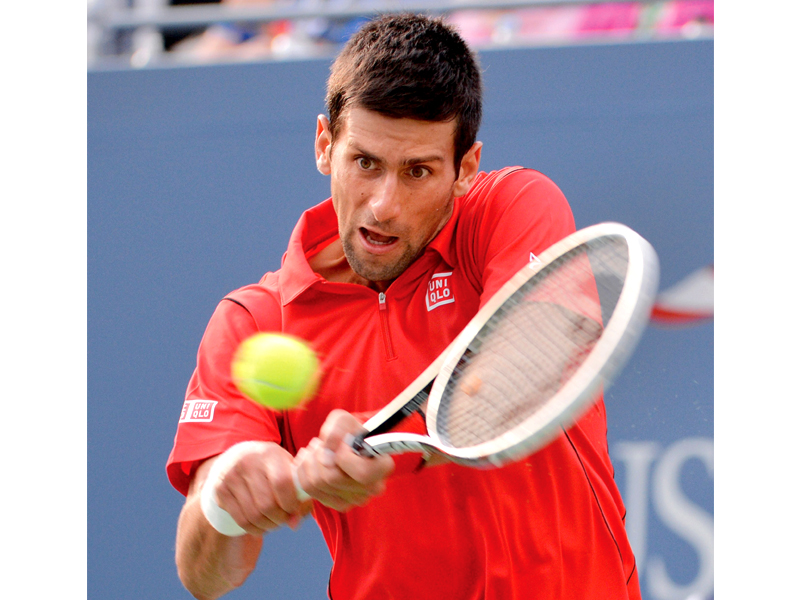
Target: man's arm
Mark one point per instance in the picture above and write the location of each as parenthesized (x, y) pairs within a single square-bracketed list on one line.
[(256, 488)]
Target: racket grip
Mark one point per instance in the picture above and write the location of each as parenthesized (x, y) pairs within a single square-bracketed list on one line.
[(361, 447)]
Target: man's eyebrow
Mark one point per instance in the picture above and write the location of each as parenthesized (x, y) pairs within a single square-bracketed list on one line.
[(409, 161), (424, 159), (361, 152)]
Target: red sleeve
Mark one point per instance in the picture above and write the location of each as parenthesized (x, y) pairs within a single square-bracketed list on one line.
[(516, 216), (215, 415)]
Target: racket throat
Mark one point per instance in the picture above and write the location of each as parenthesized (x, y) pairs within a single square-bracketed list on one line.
[(414, 405), (395, 443)]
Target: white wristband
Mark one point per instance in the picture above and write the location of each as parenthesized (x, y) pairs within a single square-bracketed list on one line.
[(218, 517)]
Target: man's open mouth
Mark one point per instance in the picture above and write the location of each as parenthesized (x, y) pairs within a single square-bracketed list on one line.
[(376, 238)]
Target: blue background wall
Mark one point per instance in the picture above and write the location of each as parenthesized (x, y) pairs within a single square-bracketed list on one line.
[(196, 177)]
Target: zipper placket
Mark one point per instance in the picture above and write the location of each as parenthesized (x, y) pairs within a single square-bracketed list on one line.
[(387, 336)]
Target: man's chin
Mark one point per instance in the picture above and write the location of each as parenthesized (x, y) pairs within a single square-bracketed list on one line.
[(375, 271), (377, 268)]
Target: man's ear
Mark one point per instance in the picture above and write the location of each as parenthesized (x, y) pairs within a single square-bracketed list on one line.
[(470, 164), (322, 145)]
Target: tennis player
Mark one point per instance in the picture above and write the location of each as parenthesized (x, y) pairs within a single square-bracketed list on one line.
[(379, 279)]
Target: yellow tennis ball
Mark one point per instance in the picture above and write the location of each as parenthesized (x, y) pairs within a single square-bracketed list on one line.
[(276, 370)]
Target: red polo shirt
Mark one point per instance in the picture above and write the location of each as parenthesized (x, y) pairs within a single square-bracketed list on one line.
[(550, 526)]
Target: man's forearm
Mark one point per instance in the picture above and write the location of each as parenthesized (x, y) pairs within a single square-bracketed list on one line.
[(211, 564)]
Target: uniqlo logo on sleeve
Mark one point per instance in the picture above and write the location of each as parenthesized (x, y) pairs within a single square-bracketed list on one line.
[(198, 411)]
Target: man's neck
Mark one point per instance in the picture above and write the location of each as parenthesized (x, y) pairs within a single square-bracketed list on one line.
[(331, 264)]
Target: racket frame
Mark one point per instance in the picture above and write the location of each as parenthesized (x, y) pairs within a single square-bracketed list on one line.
[(606, 359)]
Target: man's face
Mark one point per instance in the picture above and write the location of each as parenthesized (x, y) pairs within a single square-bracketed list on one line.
[(393, 182)]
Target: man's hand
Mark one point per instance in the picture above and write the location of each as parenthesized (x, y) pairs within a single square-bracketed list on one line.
[(253, 483), (330, 471)]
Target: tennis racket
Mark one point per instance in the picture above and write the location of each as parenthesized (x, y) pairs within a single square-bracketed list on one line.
[(534, 356)]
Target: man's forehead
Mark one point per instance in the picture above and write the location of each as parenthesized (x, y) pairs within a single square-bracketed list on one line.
[(359, 125)]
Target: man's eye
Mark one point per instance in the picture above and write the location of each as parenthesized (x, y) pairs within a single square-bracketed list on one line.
[(418, 172), (365, 163)]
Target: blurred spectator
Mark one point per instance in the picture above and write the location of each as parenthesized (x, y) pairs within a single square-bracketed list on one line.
[(173, 36), (234, 40), (553, 24), (686, 17), (547, 24), (477, 27), (252, 41), (576, 22), (617, 19), (335, 31)]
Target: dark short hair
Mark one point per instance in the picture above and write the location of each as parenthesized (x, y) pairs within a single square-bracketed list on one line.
[(409, 66)]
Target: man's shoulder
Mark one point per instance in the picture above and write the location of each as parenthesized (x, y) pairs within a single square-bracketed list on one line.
[(265, 289), (261, 300), (497, 191), (500, 187)]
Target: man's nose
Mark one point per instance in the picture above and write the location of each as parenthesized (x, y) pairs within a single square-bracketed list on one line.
[(386, 201)]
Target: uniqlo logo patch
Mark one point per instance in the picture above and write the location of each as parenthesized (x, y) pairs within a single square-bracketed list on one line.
[(439, 291), (198, 411)]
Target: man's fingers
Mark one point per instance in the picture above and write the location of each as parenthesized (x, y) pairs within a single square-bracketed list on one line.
[(371, 472), (282, 484), (320, 475), (339, 425), (257, 489), (337, 434), (239, 505), (250, 500)]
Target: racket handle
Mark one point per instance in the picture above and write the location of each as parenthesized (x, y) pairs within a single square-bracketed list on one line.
[(361, 447)]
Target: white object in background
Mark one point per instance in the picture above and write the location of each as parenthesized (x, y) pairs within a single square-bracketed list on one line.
[(688, 301), (148, 42)]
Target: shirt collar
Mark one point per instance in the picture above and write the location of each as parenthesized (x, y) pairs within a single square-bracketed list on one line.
[(444, 242), (318, 226)]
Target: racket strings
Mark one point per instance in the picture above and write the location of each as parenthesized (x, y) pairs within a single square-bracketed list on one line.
[(531, 346)]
